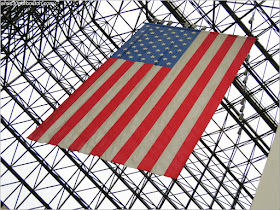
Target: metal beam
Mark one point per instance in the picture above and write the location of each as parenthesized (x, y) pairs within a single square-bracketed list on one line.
[(261, 83), (248, 32), (101, 29), (44, 163), (25, 184), (103, 189), (256, 105), (267, 16), (21, 103), (125, 183), (228, 106), (174, 11), (227, 169), (149, 14)]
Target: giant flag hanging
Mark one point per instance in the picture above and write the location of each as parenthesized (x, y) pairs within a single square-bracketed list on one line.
[(147, 106)]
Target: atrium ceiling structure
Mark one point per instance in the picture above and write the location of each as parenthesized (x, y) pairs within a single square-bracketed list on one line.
[(48, 49)]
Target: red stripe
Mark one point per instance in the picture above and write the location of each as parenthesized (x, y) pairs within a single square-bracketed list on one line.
[(86, 107), (132, 110), (35, 135), (157, 110), (200, 125), (109, 108), (171, 128)]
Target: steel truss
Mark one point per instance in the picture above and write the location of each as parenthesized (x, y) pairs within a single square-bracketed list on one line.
[(49, 49)]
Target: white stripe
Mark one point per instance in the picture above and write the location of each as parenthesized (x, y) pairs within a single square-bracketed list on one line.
[(105, 127), (45, 138), (175, 103), (146, 108), (99, 106), (173, 147)]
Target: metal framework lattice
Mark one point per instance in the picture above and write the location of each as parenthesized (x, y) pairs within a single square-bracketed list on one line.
[(48, 49)]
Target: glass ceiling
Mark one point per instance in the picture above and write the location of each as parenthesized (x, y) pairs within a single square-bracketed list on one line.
[(49, 49)]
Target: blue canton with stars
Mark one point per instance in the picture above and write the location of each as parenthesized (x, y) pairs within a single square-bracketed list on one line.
[(157, 44)]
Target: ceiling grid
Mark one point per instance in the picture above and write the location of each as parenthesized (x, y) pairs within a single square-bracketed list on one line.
[(48, 49)]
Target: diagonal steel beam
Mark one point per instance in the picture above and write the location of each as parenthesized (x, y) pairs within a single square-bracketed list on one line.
[(248, 32), (264, 87), (174, 11), (267, 16), (149, 15), (256, 105), (125, 183), (100, 28), (103, 189), (250, 132), (44, 163), (227, 169), (25, 184), (22, 104)]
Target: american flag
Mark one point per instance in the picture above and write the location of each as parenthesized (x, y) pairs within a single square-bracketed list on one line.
[(147, 106)]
